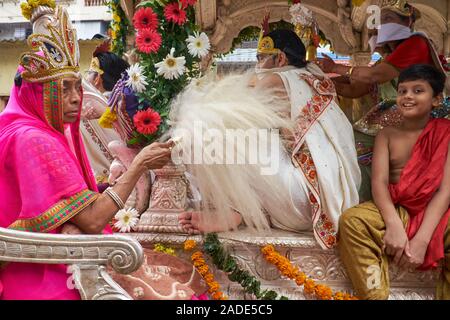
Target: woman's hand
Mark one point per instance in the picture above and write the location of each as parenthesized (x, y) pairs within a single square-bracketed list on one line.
[(326, 64), (154, 156)]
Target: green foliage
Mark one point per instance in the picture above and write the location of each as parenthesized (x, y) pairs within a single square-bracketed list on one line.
[(252, 33), (225, 262), (160, 92), (119, 28)]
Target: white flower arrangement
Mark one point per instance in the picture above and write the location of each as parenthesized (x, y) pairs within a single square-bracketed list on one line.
[(198, 45), (126, 219), (136, 78), (171, 67)]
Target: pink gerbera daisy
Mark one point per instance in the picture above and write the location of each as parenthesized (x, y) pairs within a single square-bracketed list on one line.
[(147, 121), (145, 18), (173, 12), (148, 41)]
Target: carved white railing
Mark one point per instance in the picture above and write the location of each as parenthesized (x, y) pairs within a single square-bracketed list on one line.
[(88, 255)]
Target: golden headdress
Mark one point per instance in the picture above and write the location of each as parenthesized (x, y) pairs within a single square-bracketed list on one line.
[(95, 63), (401, 7), (266, 45), (58, 43)]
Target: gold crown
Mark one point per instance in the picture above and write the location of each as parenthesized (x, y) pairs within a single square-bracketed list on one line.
[(60, 51), (401, 7), (266, 44), (95, 66)]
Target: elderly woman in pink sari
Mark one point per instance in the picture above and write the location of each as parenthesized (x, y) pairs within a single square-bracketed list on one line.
[(46, 182)]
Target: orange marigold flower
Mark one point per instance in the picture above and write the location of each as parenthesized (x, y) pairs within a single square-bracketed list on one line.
[(323, 292), (213, 286), (218, 295), (199, 262), (285, 269), (272, 259), (338, 296), (197, 255), (293, 273), (268, 249), (301, 278), (208, 277), (310, 285), (203, 269), (189, 245)]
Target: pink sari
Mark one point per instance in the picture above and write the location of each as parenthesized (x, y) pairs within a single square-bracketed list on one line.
[(44, 182)]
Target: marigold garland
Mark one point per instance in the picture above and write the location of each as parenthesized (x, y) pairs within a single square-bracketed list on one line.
[(202, 268), (286, 268), (107, 119), (30, 5), (225, 262)]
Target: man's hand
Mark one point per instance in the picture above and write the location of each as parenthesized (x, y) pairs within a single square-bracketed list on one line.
[(414, 255), (327, 64), (70, 228), (395, 241), (154, 156)]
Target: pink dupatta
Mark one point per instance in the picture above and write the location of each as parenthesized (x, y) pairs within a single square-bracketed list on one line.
[(43, 183)]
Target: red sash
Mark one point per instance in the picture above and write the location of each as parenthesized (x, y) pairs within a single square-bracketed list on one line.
[(419, 181)]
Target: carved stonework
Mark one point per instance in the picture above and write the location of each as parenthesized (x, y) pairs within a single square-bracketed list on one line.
[(87, 256), (344, 25), (168, 200), (361, 58), (323, 266)]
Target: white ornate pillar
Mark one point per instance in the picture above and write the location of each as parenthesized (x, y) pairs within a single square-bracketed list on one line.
[(168, 199)]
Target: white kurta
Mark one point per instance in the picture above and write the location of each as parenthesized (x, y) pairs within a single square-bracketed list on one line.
[(331, 143)]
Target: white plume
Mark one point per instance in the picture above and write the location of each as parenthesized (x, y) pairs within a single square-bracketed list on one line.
[(224, 104)]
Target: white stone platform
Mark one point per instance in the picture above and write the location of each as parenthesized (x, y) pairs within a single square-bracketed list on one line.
[(302, 250)]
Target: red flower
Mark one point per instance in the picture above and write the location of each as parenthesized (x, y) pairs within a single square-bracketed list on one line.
[(148, 41), (147, 121), (145, 18), (174, 13), (186, 3)]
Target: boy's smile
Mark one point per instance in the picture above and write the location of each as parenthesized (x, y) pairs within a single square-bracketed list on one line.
[(416, 99)]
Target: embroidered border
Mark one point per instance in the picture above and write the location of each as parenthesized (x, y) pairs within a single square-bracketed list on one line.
[(58, 214), (53, 108), (324, 94), (323, 228), (97, 140)]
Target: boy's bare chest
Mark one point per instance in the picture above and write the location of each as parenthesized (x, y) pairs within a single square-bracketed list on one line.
[(400, 149)]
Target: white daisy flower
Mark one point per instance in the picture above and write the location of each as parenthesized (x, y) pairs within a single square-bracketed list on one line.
[(198, 44), (127, 219), (136, 78), (171, 67)]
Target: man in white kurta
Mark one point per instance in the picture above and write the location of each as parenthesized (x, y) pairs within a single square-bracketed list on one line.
[(318, 176)]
